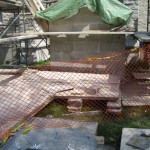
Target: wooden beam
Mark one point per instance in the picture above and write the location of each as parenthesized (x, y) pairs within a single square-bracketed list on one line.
[(41, 5), (18, 38), (98, 32)]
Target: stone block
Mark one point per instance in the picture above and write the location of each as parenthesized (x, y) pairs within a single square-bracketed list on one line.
[(142, 15), (114, 104), (100, 140), (74, 109), (75, 102), (117, 112)]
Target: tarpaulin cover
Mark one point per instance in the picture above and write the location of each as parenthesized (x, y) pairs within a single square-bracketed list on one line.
[(110, 11)]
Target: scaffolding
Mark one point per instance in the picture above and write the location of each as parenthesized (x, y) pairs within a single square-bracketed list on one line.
[(20, 12)]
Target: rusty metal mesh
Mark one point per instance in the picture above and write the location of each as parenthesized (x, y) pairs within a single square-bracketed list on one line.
[(109, 88)]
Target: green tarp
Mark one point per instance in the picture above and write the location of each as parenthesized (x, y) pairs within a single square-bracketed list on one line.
[(110, 11)]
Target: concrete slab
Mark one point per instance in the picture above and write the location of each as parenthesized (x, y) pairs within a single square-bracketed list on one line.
[(37, 122), (53, 139), (127, 134)]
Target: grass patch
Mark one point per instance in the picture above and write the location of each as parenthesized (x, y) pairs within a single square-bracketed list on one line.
[(108, 126), (41, 63), (56, 110), (113, 131)]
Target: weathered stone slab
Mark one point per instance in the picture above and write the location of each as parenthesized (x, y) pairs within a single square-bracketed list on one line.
[(127, 134), (52, 138), (91, 127)]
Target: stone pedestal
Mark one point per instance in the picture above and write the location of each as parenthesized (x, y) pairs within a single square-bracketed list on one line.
[(74, 105)]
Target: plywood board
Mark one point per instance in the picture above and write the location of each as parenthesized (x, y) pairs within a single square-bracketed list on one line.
[(23, 96), (85, 86), (106, 92), (78, 77)]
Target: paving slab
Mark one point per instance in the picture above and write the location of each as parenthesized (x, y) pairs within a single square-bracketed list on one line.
[(52, 139), (127, 134), (38, 122)]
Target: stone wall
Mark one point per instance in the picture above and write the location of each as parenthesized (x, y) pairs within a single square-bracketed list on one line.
[(143, 15), (72, 47), (77, 25), (133, 4)]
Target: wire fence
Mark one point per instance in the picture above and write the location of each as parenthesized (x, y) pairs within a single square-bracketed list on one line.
[(110, 90)]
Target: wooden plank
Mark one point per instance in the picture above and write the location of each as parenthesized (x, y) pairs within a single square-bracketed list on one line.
[(17, 38), (11, 72), (93, 86), (142, 76), (28, 5), (133, 101), (70, 64), (32, 7), (106, 92), (36, 5), (78, 77), (80, 33), (86, 86), (41, 5), (21, 99)]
